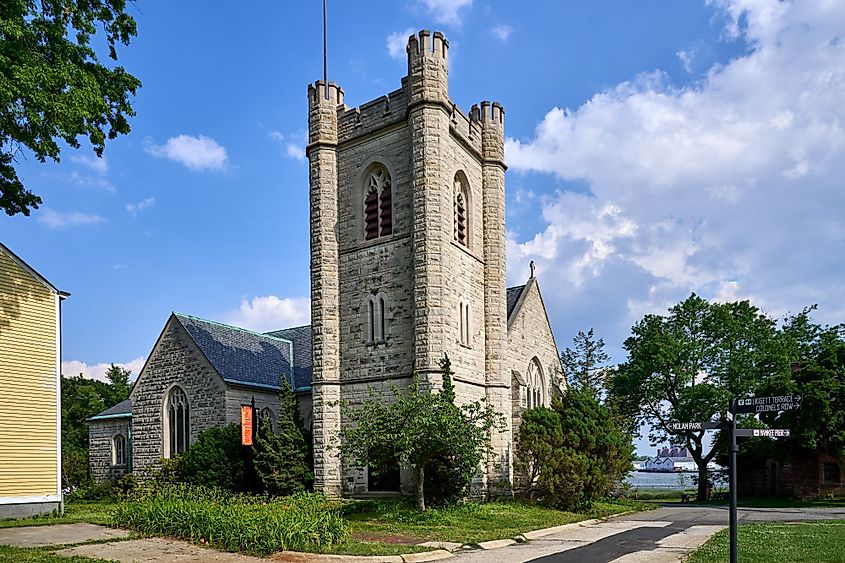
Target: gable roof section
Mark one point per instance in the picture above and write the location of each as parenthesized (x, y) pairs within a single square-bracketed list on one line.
[(240, 356), (514, 293), (301, 338), (121, 410), (17, 259)]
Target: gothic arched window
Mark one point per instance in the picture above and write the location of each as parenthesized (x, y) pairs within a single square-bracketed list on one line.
[(119, 450), (461, 209), (266, 415), (536, 384), (378, 206), (177, 425)]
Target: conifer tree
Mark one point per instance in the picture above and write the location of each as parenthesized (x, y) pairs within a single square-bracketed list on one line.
[(281, 456)]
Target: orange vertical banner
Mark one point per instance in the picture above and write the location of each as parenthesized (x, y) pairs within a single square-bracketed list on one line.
[(246, 425)]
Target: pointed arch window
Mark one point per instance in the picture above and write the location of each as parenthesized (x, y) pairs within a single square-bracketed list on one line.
[(378, 203), (178, 422), (536, 384), (461, 209), (119, 450)]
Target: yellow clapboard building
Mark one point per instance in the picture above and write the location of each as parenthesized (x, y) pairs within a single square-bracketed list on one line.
[(30, 390)]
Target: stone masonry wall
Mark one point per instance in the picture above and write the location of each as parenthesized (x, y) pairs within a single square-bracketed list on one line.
[(100, 436), (530, 335), (174, 360)]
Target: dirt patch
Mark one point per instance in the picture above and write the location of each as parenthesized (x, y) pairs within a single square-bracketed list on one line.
[(398, 539)]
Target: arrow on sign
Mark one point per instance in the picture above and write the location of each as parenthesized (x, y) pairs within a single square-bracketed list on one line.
[(768, 404), (708, 425), (762, 432)]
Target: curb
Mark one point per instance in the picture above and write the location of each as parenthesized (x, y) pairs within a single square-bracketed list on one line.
[(438, 554), (303, 557)]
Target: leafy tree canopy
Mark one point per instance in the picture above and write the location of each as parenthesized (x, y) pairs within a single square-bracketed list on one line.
[(419, 428), (685, 366), (53, 86), (81, 399)]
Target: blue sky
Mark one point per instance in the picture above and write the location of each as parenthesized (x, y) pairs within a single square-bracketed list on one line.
[(655, 148)]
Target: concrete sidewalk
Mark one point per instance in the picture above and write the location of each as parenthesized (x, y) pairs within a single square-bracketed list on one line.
[(58, 534)]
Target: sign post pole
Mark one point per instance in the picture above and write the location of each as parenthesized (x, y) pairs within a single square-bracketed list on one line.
[(732, 462)]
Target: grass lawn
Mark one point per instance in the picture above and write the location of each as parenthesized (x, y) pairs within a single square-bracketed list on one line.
[(75, 511), (398, 522), (771, 542)]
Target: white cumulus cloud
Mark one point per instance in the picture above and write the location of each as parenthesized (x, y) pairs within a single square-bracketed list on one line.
[(447, 11), (396, 43), (98, 164), (58, 220), (730, 186), (502, 32), (73, 368), (268, 312), (197, 153), (135, 208)]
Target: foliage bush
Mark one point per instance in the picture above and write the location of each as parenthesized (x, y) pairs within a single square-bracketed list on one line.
[(233, 522), (281, 456), (424, 430), (218, 459), (573, 453)]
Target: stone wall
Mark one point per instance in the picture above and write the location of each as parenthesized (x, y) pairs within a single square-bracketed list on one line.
[(529, 336), (100, 455), (175, 360), (424, 141)]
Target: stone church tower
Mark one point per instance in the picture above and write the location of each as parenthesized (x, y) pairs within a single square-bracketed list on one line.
[(407, 253)]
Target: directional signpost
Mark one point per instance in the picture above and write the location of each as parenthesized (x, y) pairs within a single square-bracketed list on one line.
[(745, 405)]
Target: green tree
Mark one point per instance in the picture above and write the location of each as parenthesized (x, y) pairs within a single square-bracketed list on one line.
[(585, 365), (83, 398), (118, 383), (686, 366), (53, 86), (419, 428), (281, 456), (816, 355), (573, 453)]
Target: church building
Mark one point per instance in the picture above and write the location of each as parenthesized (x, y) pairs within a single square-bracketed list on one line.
[(407, 265)]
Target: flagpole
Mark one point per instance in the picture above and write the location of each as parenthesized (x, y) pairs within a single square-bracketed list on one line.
[(325, 59)]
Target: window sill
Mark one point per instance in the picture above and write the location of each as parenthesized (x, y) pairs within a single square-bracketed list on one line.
[(375, 343)]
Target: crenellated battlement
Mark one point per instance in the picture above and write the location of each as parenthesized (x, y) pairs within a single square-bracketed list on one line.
[(425, 45), (317, 93), (488, 114)]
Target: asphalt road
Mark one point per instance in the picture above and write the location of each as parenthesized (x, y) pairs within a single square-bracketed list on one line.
[(664, 535)]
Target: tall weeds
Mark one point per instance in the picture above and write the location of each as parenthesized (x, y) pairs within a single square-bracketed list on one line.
[(245, 523)]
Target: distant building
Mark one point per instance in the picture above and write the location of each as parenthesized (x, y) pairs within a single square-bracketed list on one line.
[(804, 476), (673, 452), (30, 387)]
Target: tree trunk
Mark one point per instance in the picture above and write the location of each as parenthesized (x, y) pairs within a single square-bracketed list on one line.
[(419, 479), (702, 480)]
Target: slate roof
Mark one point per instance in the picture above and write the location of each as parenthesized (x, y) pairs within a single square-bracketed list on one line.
[(513, 296), (301, 338), (241, 356), (120, 410)]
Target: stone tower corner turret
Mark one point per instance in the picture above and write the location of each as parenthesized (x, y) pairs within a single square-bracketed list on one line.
[(428, 67)]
